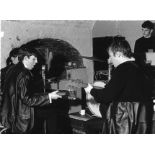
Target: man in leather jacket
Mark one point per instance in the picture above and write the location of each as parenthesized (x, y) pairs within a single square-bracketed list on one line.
[(127, 95), (18, 99)]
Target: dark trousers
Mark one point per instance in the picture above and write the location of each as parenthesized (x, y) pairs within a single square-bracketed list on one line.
[(51, 120)]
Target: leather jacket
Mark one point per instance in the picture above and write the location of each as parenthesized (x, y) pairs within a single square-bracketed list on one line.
[(129, 117), (18, 100)]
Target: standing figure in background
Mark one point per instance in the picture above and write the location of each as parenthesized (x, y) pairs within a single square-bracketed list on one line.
[(19, 99), (127, 95), (11, 60), (145, 43)]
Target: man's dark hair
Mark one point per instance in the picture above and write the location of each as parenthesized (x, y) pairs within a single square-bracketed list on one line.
[(13, 53), (148, 24), (119, 44), (26, 52)]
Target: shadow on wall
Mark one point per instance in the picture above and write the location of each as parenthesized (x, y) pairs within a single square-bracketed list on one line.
[(54, 53)]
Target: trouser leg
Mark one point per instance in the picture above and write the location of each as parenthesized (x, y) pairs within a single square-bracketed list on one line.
[(45, 120), (52, 120)]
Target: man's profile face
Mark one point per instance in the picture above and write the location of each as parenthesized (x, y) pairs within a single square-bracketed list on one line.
[(113, 58), (146, 32), (31, 62)]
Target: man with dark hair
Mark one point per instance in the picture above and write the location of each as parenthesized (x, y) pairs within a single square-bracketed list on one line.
[(127, 95), (145, 43), (19, 100), (10, 61)]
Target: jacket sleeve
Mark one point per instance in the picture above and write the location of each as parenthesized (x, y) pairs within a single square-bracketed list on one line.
[(27, 96), (110, 92)]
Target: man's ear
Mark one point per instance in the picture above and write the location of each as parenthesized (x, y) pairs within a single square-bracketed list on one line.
[(118, 54)]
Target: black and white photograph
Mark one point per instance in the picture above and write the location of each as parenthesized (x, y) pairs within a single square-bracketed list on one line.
[(77, 77)]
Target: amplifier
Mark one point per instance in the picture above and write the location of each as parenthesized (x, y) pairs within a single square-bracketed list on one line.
[(75, 79)]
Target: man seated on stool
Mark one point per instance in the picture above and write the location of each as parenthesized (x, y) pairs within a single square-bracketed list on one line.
[(127, 94)]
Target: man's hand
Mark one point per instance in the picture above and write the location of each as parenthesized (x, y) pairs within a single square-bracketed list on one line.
[(54, 96), (88, 88)]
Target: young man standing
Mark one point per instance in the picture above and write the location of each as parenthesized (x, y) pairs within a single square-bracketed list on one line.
[(18, 99), (145, 43)]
